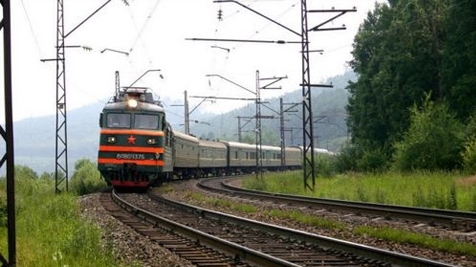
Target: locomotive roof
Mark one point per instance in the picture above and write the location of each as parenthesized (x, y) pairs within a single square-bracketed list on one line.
[(143, 96), (142, 106)]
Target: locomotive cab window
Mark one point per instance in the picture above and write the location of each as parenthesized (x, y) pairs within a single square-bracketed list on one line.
[(118, 120), (146, 121)]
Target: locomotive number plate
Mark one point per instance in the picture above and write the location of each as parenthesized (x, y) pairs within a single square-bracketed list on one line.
[(130, 156)]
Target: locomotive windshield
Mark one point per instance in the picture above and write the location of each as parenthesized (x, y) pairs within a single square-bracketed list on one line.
[(146, 121), (138, 121), (118, 120)]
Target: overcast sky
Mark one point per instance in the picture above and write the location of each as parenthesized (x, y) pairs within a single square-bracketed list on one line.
[(154, 33)]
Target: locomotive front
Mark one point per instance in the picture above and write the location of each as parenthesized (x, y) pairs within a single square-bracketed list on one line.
[(132, 136)]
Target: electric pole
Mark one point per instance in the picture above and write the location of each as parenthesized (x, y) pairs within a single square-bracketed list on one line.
[(7, 135), (61, 144), (308, 140)]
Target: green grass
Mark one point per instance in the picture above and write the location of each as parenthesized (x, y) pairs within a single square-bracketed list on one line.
[(295, 215), (421, 240), (434, 190), (50, 231)]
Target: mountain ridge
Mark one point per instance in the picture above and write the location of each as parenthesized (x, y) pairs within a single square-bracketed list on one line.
[(34, 140)]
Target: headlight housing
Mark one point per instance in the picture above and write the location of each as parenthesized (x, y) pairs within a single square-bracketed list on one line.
[(111, 139), (151, 141), (132, 103)]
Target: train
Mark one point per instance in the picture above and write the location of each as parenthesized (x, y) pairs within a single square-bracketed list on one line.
[(138, 147)]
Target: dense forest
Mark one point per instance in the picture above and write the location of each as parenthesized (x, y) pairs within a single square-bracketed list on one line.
[(413, 103)]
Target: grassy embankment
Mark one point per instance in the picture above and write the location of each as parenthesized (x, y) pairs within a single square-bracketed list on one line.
[(49, 229), (436, 190), (433, 190)]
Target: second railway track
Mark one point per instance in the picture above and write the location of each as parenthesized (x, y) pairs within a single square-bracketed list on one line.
[(454, 220), (250, 239)]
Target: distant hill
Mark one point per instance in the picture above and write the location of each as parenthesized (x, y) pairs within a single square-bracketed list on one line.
[(329, 112), (35, 137)]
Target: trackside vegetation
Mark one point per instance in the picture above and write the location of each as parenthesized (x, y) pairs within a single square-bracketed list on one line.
[(424, 189), (383, 233), (442, 190), (412, 106), (49, 228)]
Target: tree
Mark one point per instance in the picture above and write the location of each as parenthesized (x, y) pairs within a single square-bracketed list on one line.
[(22, 172), (397, 54), (459, 62), (86, 178)]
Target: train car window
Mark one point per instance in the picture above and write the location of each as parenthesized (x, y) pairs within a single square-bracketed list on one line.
[(118, 120), (146, 121)]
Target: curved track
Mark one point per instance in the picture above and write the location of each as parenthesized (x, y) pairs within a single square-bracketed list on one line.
[(456, 220), (250, 242)]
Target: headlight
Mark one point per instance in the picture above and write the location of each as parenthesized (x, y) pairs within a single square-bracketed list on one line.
[(132, 103), (111, 139), (151, 141)]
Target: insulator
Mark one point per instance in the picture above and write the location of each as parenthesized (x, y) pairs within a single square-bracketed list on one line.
[(220, 15)]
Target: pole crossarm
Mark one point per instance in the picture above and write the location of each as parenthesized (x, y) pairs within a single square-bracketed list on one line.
[(140, 77), (259, 14), (273, 81), (244, 40), (86, 19), (114, 50), (293, 105), (320, 85), (268, 107), (230, 81), (242, 126), (201, 102), (224, 98), (340, 11)]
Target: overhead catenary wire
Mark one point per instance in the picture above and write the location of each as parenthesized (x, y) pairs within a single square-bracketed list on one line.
[(140, 32), (32, 30)]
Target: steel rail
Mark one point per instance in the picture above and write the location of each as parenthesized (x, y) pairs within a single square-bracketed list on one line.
[(396, 258), (224, 246), (449, 218)]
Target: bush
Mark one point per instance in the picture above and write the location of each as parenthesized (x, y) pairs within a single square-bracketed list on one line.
[(469, 156), (50, 230), (346, 159), (433, 141), (86, 178), (373, 160), (323, 165)]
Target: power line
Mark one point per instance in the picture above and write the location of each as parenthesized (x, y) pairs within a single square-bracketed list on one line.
[(30, 25)]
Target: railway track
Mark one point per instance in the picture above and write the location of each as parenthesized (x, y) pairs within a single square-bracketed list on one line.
[(454, 220), (233, 241)]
